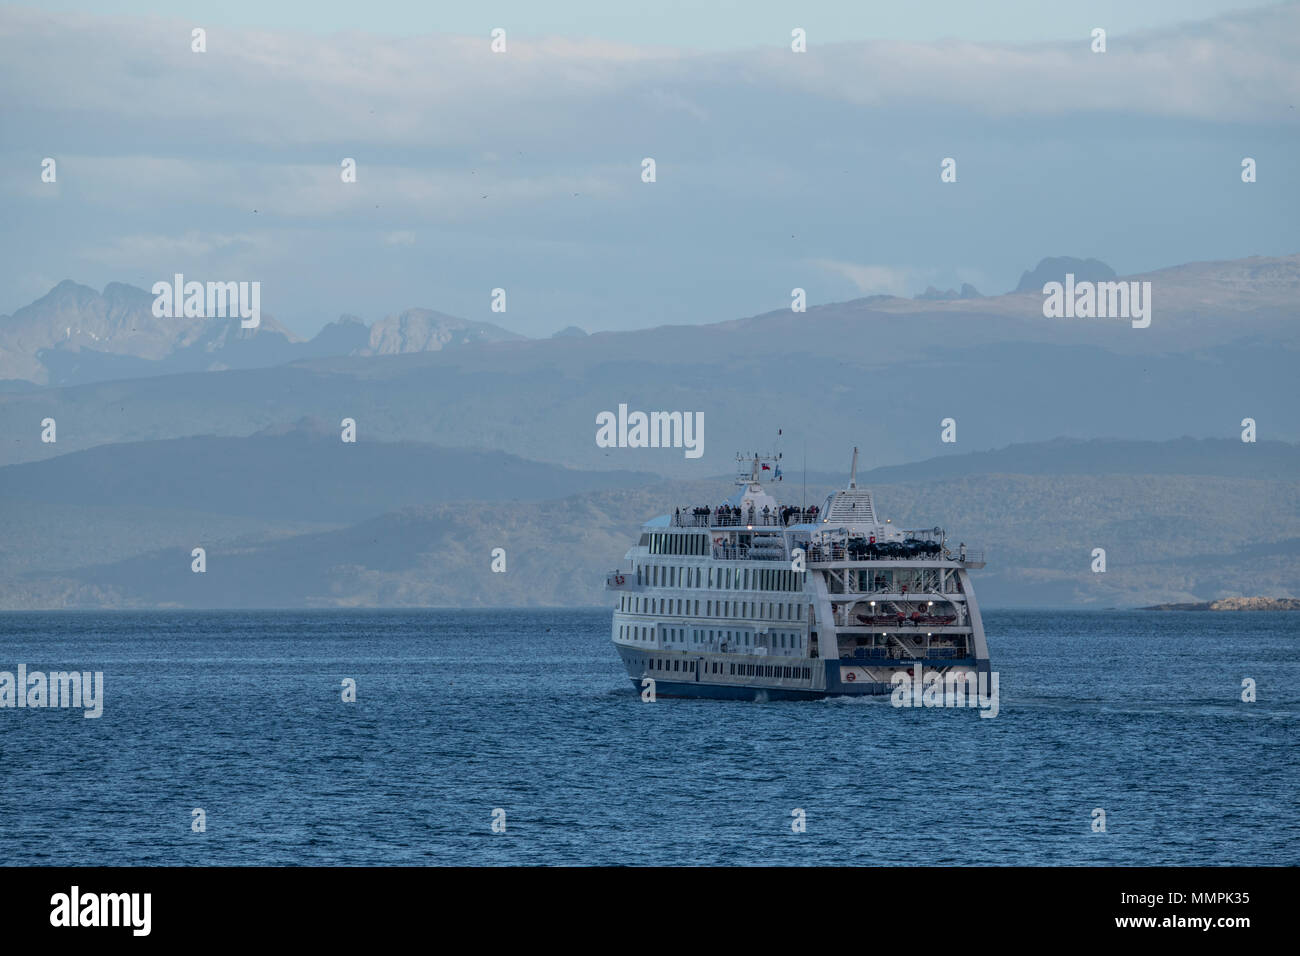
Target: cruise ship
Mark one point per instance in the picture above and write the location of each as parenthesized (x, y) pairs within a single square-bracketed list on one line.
[(747, 599)]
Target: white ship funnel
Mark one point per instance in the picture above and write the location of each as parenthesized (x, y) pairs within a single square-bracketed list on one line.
[(852, 507)]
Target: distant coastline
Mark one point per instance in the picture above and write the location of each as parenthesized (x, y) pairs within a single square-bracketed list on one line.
[(1232, 604)]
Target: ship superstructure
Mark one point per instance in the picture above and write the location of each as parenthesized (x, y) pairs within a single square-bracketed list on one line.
[(750, 599)]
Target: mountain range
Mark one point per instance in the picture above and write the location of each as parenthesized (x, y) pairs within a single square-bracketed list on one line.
[(182, 433), (296, 518), (1221, 348), (74, 335)]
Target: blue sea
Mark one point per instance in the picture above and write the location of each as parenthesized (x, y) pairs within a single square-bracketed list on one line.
[(460, 713)]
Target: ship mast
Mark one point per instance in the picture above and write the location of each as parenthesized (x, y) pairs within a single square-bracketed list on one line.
[(853, 473)]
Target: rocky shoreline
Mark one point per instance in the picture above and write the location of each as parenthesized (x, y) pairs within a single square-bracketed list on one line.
[(1233, 604)]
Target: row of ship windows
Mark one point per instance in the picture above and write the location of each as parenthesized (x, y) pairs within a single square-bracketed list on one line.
[(679, 544), (744, 579), (677, 635), (760, 609), (734, 669)]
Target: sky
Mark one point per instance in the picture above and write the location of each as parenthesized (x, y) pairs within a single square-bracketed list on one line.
[(522, 170)]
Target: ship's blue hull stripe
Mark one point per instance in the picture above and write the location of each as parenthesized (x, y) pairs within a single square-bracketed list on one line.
[(748, 692)]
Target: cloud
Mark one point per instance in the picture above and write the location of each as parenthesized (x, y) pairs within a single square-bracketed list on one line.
[(137, 81), (869, 279), (525, 167), (167, 251)]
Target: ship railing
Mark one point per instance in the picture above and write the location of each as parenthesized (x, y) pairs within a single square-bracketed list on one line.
[(724, 553), (837, 552), (692, 518), (698, 518), (758, 520)]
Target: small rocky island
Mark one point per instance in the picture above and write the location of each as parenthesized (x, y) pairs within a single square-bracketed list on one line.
[(1233, 604)]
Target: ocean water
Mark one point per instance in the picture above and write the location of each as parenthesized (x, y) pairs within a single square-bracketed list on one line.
[(460, 713)]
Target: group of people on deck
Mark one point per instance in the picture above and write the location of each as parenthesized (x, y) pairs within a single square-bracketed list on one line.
[(732, 515), (798, 515)]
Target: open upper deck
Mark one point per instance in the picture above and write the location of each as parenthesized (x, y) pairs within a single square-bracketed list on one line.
[(752, 525)]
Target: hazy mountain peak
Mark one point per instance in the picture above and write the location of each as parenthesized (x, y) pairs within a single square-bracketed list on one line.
[(74, 334), (424, 330), (1054, 269), (968, 291)]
